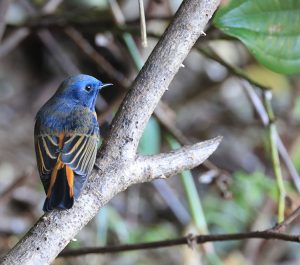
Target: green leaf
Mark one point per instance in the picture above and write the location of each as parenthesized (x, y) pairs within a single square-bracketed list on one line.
[(269, 28)]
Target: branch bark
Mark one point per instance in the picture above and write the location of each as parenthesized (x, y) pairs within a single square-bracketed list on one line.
[(165, 165), (118, 166)]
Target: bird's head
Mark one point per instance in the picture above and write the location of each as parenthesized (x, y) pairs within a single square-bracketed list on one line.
[(82, 89)]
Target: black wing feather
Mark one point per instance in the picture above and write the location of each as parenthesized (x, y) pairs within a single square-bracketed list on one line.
[(79, 153), (46, 148)]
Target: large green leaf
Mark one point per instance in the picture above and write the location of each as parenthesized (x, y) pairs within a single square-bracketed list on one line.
[(269, 28)]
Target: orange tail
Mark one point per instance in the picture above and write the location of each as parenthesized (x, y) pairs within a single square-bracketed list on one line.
[(60, 192)]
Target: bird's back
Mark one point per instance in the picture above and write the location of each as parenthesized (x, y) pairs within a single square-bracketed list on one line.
[(58, 116), (66, 141)]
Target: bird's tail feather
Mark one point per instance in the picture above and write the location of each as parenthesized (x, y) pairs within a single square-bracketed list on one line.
[(61, 195)]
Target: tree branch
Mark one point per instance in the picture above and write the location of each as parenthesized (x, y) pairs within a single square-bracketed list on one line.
[(187, 240), (273, 233), (159, 70), (165, 165), (55, 229)]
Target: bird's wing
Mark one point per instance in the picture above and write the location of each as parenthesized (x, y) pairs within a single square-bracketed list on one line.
[(73, 151), (79, 151), (46, 148)]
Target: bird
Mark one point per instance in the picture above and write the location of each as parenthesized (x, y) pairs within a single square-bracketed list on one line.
[(66, 139)]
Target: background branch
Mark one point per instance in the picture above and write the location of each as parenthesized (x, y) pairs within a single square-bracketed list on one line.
[(187, 240), (272, 233)]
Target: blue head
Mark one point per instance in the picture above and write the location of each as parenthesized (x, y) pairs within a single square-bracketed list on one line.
[(82, 89)]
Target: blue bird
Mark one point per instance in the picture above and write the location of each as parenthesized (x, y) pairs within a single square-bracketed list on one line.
[(66, 135)]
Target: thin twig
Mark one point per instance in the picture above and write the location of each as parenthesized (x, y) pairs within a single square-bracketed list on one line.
[(211, 54), (90, 51), (166, 117), (51, 6), (262, 113), (13, 40), (148, 18), (272, 233), (58, 52), (143, 23), (256, 102), (282, 226), (187, 240), (173, 201), (127, 37), (267, 95)]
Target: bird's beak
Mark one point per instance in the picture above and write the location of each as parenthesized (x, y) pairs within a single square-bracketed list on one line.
[(105, 85)]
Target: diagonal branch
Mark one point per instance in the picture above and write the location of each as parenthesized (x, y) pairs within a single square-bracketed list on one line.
[(156, 75), (55, 229)]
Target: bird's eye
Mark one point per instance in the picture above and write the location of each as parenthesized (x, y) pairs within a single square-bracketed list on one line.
[(88, 88)]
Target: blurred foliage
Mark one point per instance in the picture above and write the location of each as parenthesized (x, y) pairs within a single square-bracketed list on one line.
[(267, 28), (150, 141), (195, 204), (248, 192)]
